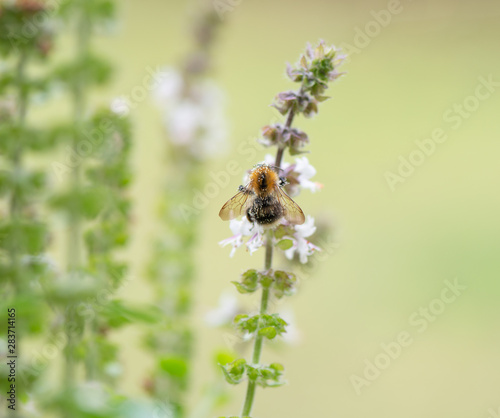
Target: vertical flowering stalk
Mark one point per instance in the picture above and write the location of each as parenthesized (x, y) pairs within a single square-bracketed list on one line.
[(23, 232), (78, 202), (195, 127), (96, 177), (316, 68)]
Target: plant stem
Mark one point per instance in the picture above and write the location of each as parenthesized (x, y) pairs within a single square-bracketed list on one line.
[(259, 339), (75, 227), (74, 232), (288, 125), (14, 204)]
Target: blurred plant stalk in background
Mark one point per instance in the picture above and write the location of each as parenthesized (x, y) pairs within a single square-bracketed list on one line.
[(70, 308), (24, 234), (192, 109)]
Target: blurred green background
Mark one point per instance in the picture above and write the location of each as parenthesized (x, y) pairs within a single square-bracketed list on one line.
[(395, 248)]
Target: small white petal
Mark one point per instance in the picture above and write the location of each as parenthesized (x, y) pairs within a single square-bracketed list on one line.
[(168, 87), (225, 311), (292, 334), (306, 172), (120, 106)]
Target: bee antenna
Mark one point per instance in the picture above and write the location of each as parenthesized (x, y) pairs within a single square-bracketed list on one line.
[(275, 167), (268, 165)]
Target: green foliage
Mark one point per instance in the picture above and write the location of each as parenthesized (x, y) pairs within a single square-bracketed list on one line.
[(285, 244), (264, 376), (266, 325), (77, 299), (88, 70), (282, 283), (24, 29), (224, 357), (234, 372), (117, 313), (175, 366), (249, 282)]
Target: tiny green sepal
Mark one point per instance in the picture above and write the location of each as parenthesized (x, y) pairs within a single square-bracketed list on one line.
[(266, 376), (268, 332), (248, 282), (284, 283), (269, 326), (234, 372), (266, 279)]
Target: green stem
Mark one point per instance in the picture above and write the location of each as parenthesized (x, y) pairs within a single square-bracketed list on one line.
[(288, 125), (15, 204), (74, 221), (259, 340), (74, 232)]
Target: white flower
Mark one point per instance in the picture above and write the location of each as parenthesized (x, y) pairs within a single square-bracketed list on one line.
[(168, 87), (301, 245), (292, 334), (256, 241), (306, 172), (91, 396), (29, 408), (225, 311), (194, 116), (241, 229), (212, 123), (183, 122), (120, 106), (113, 369)]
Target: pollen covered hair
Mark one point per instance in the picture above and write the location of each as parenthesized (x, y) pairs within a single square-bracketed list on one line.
[(263, 180)]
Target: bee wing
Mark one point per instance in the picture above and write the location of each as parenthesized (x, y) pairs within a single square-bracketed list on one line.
[(293, 213), (235, 206)]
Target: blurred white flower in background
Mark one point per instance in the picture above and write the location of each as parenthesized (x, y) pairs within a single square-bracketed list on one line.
[(301, 246), (193, 113), (225, 312), (28, 408), (168, 86), (91, 396), (292, 334), (120, 106)]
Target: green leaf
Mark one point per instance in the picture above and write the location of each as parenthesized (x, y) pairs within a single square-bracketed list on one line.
[(271, 376), (285, 244), (174, 366), (119, 313), (267, 325), (25, 236), (295, 151), (284, 283), (266, 280), (268, 332), (224, 357), (247, 324), (234, 372), (248, 282)]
